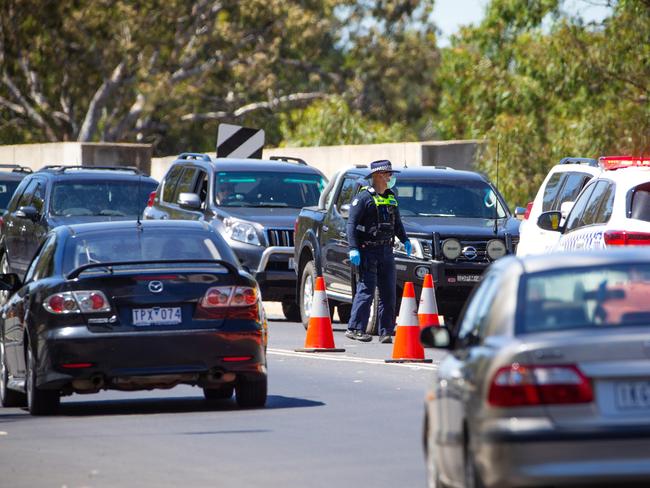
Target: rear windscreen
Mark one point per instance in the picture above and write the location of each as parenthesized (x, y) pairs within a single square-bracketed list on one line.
[(586, 298), (147, 245), (7, 189), (640, 204), (100, 198)]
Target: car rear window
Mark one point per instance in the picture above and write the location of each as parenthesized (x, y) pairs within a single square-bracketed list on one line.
[(640, 204), (267, 189), (149, 244), (462, 198), (7, 189), (593, 297), (119, 198)]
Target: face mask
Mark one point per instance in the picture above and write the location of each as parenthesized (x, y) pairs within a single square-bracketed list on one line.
[(391, 182)]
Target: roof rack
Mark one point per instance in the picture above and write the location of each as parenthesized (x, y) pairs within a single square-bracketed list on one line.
[(288, 159), (60, 168), (199, 156), (360, 165), (441, 167), (587, 161), (16, 168)]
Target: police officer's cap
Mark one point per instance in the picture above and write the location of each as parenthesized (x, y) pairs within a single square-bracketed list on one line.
[(382, 165)]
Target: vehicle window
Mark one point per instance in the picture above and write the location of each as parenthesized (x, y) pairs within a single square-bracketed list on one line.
[(118, 198), (640, 204), (473, 322), (169, 183), (593, 205), (267, 189), (593, 297), (26, 197), (327, 195), (7, 189), (466, 199), (150, 245), (43, 263), (38, 198), (575, 216), (550, 192), (346, 193), (573, 183), (201, 187), (185, 183), (607, 205)]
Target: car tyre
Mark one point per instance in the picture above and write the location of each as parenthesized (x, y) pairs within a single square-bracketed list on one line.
[(8, 397), (291, 311), (373, 321), (251, 393), (39, 402), (223, 392)]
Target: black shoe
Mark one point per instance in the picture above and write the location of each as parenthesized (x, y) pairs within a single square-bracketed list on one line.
[(385, 339)]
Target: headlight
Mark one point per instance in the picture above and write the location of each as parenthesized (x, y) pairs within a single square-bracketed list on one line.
[(241, 231), (451, 248), (496, 249), (416, 251)]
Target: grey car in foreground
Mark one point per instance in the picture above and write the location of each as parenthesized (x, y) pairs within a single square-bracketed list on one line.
[(548, 381)]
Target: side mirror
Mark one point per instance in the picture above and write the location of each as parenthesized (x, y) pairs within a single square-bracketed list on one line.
[(550, 221), (29, 213), (10, 282), (436, 336), (520, 212), (345, 210), (190, 201)]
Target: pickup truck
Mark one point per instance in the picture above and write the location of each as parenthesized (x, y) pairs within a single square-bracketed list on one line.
[(457, 222)]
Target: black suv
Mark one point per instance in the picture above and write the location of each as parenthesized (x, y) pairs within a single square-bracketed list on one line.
[(10, 177), (57, 195), (457, 222), (253, 203)]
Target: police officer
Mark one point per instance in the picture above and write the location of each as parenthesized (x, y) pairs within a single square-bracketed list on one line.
[(373, 223)]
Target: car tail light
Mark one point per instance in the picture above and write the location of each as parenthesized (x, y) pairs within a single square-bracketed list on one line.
[(529, 208), (76, 365), (521, 385), (236, 359), (152, 197), (232, 302), (93, 301), (626, 238)]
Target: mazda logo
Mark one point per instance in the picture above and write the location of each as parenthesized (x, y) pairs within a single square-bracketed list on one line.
[(470, 252), (155, 286)]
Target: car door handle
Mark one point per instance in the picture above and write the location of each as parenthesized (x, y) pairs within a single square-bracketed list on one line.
[(325, 228)]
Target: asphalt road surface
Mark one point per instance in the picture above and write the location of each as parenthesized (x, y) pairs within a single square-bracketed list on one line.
[(343, 420)]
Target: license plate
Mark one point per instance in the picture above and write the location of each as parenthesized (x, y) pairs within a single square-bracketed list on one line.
[(468, 278), (157, 316), (291, 264), (633, 394)]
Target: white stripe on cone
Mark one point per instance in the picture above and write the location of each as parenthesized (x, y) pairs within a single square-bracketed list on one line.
[(319, 306)]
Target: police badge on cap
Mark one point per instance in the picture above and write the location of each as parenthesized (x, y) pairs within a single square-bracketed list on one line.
[(381, 165)]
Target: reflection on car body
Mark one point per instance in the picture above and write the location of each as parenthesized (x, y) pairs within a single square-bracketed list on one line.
[(548, 380), (131, 305)]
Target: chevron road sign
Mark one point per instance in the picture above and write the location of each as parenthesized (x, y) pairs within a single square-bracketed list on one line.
[(234, 141)]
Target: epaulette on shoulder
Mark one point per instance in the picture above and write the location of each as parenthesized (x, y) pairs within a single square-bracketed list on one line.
[(370, 189)]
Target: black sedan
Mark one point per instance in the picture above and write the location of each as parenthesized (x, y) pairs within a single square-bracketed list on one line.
[(132, 306)]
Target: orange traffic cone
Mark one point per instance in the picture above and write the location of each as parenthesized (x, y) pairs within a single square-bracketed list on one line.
[(428, 308), (319, 331), (407, 348)]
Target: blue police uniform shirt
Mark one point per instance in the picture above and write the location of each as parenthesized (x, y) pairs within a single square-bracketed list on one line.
[(363, 216)]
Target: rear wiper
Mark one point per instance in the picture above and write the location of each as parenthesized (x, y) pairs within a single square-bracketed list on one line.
[(272, 205), (111, 213)]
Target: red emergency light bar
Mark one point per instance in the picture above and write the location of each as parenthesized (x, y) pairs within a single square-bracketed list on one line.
[(617, 162)]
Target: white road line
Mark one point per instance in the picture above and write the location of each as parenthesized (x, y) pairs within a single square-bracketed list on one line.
[(346, 359)]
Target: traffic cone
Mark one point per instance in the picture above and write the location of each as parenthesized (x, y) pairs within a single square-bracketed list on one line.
[(428, 308), (320, 337), (407, 348)]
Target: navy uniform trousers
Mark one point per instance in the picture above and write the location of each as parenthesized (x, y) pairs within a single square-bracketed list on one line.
[(377, 269)]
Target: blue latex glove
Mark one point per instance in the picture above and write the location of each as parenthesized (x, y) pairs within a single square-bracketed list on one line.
[(408, 247), (355, 257)]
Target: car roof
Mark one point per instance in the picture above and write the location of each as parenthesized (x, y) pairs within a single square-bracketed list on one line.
[(632, 176), (256, 165), (428, 172), (540, 263), (166, 225), (58, 172)]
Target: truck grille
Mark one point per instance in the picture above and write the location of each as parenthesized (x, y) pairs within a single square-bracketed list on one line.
[(280, 237)]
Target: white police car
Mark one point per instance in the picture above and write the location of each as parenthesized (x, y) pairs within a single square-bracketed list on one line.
[(562, 184), (612, 210)]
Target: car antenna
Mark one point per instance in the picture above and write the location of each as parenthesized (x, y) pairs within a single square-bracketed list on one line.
[(496, 198), (139, 223), (404, 153)]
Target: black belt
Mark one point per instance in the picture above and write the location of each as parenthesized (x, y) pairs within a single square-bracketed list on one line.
[(385, 242)]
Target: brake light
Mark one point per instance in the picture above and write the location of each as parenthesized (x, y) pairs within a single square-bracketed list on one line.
[(236, 359), (617, 162), (76, 365), (229, 302), (152, 197), (522, 385), (529, 208), (626, 238), (92, 301)]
